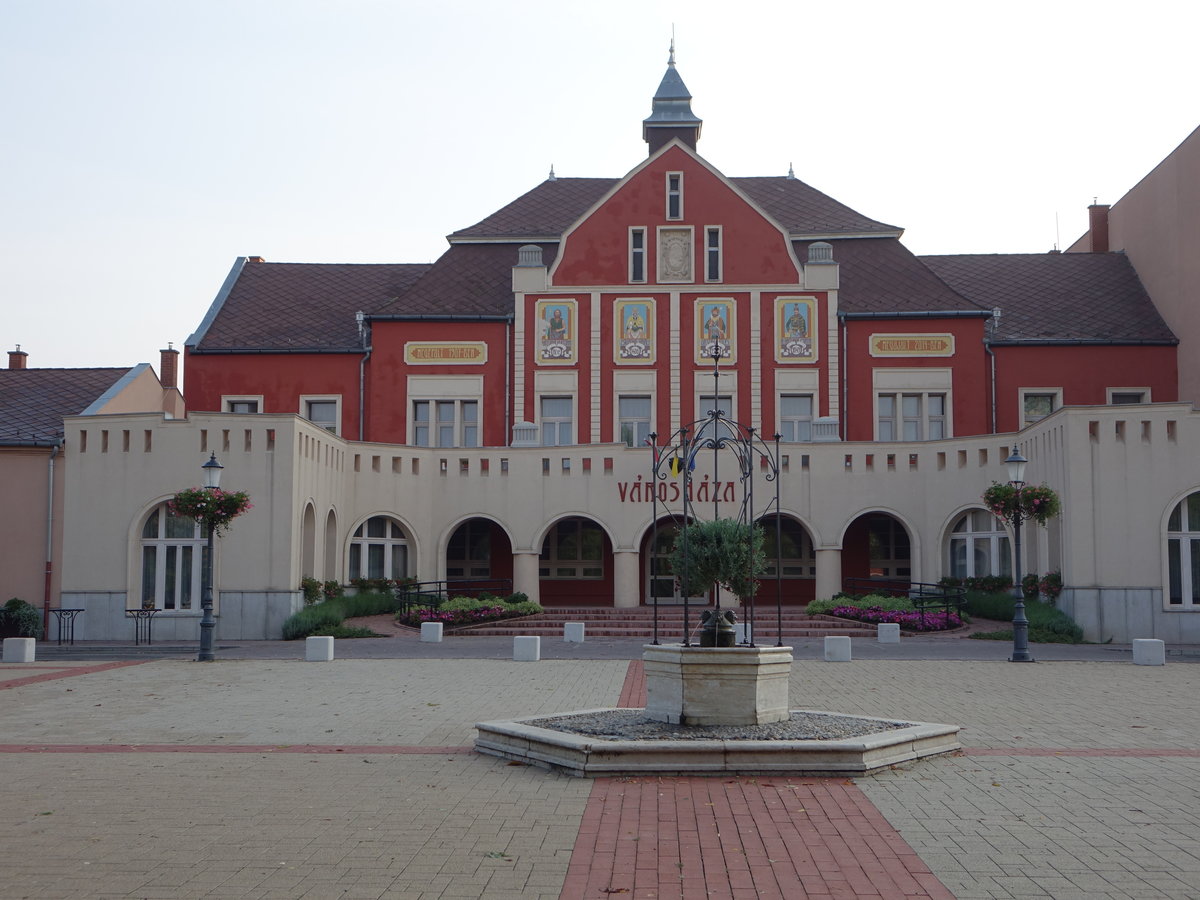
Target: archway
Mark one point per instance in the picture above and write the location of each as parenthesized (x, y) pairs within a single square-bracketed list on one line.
[(575, 567), (877, 548), (479, 554)]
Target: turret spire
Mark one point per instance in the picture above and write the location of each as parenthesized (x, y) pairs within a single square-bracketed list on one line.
[(671, 113)]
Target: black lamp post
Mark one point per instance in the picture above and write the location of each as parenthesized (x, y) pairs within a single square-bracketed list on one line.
[(1016, 477), (212, 481)]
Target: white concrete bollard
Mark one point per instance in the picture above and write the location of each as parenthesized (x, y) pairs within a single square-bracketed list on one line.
[(837, 649), (889, 632), (18, 650), (1146, 652), (527, 648), (573, 632), (431, 632), (318, 648)]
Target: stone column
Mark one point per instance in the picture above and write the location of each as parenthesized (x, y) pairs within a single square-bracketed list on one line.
[(829, 573), (525, 574), (627, 587)]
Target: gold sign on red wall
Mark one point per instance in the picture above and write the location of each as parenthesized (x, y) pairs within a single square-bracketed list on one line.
[(444, 353), (912, 345)]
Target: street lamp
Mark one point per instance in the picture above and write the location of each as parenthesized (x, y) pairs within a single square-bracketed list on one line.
[(212, 481), (1016, 477)]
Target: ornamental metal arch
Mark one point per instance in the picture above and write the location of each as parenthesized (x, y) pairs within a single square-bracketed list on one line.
[(716, 432)]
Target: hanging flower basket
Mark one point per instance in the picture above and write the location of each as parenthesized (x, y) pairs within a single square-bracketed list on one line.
[(1034, 501), (213, 507)]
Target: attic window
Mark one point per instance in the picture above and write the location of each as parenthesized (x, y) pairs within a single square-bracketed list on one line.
[(674, 195), (637, 254), (712, 253)]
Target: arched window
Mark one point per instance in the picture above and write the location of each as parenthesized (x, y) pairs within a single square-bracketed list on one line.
[(379, 550), (1183, 553), (174, 561), (574, 548), (979, 546), (469, 553), (795, 551)]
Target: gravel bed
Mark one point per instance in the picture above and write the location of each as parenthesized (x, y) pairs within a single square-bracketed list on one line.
[(632, 725)]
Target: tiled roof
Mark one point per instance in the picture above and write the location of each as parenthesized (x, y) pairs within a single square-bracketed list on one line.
[(1049, 297), (467, 280), (881, 275), (304, 306), (553, 206), (34, 401), (802, 209)]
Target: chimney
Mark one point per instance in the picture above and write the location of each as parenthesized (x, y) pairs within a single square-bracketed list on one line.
[(169, 368), (16, 358), (1098, 227)]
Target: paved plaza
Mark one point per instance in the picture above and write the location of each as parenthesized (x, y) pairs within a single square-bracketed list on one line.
[(148, 775)]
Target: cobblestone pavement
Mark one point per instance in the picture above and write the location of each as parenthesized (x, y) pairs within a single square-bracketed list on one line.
[(277, 778)]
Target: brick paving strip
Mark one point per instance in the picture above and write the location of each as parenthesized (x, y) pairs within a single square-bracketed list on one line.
[(57, 672), (384, 750)]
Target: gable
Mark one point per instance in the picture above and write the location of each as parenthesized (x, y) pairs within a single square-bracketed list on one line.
[(754, 248)]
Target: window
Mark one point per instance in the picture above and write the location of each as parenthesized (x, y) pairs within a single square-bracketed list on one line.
[(1037, 404), (979, 546), (379, 550), (469, 553), (674, 195), (445, 423), (637, 254), (633, 415), (1183, 554), (242, 404), (708, 402), (911, 417), (174, 561), (794, 551), (574, 548), (712, 254), (795, 417), (889, 548), (557, 422), (322, 411), (1122, 396)]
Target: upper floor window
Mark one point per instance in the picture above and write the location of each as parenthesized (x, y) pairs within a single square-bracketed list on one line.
[(709, 403), (979, 546), (379, 549), (557, 421), (1120, 396), (322, 411), (911, 417), (633, 414), (674, 195), (637, 254), (795, 417), (1183, 554), (712, 253), (174, 561), (1038, 403), (243, 404), (446, 423)]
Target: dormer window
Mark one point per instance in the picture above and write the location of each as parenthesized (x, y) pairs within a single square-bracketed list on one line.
[(637, 255), (712, 253), (674, 195)]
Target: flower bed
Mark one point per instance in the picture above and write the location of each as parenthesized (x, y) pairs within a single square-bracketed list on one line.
[(932, 620), (456, 618)]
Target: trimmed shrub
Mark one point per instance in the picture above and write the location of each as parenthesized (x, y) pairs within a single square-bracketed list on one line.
[(1047, 623), (459, 611), (879, 601), (311, 588), (343, 631), (330, 614), (20, 619)]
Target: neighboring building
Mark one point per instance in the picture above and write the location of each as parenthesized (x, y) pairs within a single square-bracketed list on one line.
[(34, 468), (487, 416)]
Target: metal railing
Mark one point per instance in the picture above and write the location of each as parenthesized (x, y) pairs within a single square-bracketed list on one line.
[(432, 594), (924, 596)]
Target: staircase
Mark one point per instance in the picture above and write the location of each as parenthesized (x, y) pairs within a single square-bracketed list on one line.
[(637, 623)]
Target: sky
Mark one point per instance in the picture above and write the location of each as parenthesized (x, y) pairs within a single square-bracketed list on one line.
[(145, 145)]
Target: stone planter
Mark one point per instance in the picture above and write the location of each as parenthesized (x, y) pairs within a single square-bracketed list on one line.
[(717, 685)]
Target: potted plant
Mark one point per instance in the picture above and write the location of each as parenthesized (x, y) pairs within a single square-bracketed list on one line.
[(723, 553)]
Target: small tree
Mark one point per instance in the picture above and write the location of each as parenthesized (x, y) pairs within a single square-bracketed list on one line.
[(724, 552)]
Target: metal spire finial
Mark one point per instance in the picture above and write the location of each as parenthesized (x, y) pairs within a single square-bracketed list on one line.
[(671, 58), (791, 173)]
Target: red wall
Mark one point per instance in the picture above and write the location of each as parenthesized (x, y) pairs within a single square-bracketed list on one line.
[(971, 414), (1083, 373)]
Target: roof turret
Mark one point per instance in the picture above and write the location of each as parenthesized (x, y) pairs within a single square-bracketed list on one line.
[(671, 114)]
